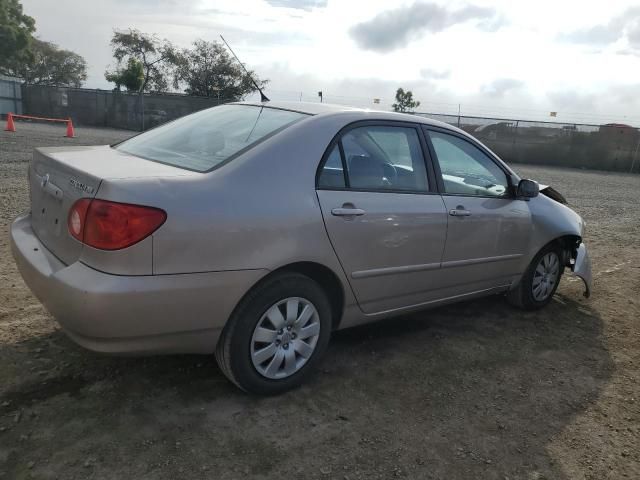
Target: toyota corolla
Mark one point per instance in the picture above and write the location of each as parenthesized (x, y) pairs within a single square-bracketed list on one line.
[(253, 231)]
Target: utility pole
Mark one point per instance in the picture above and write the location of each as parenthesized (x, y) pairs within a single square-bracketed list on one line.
[(635, 154), (141, 96)]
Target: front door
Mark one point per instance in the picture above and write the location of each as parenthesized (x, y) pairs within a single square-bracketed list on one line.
[(489, 229), (385, 220)]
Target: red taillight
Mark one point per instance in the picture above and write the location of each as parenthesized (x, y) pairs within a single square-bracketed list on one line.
[(110, 225)]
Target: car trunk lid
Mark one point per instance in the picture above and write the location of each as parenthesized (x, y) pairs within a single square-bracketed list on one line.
[(60, 176)]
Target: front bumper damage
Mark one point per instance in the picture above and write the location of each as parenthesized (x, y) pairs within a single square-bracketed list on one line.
[(581, 268)]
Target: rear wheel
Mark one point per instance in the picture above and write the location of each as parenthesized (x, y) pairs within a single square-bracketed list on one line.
[(276, 336), (540, 281)]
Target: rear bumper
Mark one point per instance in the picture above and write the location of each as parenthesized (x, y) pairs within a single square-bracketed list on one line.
[(129, 314)]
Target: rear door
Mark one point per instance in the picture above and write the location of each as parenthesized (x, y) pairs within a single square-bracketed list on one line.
[(384, 217), (489, 229)]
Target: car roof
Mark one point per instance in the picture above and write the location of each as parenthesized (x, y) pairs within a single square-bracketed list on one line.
[(316, 108), (311, 108)]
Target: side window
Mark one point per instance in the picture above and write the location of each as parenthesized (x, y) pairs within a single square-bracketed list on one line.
[(384, 158), (332, 174), (467, 170)]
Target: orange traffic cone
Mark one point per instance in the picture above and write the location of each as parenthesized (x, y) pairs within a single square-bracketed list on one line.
[(10, 126), (70, 132)]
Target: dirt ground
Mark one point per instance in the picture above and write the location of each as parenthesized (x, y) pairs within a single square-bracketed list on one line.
[(477, 390)]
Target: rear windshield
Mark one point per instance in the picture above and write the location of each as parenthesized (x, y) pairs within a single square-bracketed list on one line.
[(205, 139)]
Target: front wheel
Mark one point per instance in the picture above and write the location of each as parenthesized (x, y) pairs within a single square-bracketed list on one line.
[(540, 281), (277, 335)]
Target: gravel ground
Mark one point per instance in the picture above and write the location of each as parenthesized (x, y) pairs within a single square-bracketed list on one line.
[(474, 390)]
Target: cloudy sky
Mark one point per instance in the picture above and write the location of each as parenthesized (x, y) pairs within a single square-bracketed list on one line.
[(518, 59)]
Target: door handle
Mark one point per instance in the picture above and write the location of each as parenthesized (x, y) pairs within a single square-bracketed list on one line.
[(459, 212), (347, 212)]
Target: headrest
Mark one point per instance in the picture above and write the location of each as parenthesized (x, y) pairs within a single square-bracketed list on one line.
[(365, 172)]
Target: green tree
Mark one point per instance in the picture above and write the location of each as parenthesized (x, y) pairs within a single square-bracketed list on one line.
[(157, 57), (208, 70), (405, 101), (50, 65), (131, 77), (16, 35)]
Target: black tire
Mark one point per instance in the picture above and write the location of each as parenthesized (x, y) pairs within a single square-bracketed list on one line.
[(522, 296), (233, 351)]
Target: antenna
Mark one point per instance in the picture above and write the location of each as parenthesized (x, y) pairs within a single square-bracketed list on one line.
[(263, 97)]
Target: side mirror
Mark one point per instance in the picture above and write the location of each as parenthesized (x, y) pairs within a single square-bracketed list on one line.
[(527, 189)]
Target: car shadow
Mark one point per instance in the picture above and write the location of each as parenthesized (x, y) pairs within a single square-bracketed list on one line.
[(473, 390)]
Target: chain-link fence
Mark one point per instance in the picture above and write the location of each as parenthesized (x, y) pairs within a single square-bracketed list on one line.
[(602, 147), (105, 108)]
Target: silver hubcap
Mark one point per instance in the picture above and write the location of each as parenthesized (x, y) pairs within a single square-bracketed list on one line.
[(546, 276), (285, 338)]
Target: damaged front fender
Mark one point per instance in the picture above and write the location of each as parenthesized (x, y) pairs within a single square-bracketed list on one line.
[(553, 194), (582, 268)]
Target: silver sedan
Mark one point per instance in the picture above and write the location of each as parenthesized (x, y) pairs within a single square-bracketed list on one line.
[(255, 230)]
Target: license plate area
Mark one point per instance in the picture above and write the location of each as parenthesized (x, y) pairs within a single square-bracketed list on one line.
[(47, 213)]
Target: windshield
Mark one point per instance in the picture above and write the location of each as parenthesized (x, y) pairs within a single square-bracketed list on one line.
[(205, 139)]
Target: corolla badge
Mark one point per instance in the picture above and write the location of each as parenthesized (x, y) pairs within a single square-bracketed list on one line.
[(81, 186)]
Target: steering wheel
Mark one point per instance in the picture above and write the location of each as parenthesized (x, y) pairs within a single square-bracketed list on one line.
[(390, 174)]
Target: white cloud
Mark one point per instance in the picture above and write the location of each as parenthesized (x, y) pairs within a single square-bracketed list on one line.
[(502, 86), (430, 73), (299, 4)]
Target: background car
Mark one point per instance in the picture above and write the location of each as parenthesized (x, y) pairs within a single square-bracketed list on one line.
[(255, 230)]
